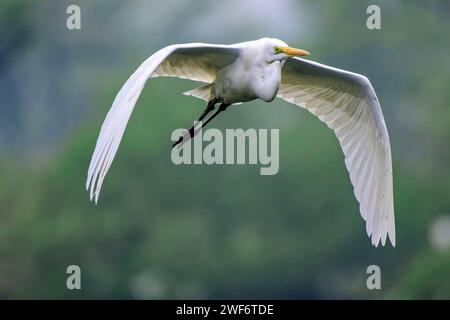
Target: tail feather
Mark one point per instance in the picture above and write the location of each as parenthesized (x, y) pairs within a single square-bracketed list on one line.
[(204, 92)]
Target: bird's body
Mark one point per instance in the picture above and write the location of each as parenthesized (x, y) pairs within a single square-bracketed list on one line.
[(249, 77), (265, 69)]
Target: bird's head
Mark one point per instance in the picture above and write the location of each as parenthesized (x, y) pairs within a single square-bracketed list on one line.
[(278, 50)]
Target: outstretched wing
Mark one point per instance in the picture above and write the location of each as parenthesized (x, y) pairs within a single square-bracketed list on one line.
[(347, 103), (194, 61)]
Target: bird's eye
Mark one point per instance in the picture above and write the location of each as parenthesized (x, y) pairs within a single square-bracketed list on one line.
[(277, 49)]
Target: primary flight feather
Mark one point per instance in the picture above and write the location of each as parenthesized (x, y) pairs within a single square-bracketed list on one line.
[(264, 69)]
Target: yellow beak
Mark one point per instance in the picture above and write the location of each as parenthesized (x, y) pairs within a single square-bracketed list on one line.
[(294, 51)]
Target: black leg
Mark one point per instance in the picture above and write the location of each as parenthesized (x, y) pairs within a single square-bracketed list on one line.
[(208, 109), (221, 108)]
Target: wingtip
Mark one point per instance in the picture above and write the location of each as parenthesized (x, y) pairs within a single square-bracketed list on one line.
[(93, 198), (376, 240), (97, 194), (392, 239), (391, 232)]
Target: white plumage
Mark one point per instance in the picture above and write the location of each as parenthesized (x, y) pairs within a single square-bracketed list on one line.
[(264, 69)]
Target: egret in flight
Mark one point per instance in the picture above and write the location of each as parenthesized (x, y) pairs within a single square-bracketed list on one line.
[(264, 69)]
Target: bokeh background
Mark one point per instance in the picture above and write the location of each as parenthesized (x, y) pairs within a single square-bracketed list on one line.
[(166, 231)]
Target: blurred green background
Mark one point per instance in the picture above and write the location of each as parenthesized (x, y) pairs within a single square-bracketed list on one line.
[(166, 231)]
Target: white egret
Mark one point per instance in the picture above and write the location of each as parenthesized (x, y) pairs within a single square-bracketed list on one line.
[(265, 69)]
